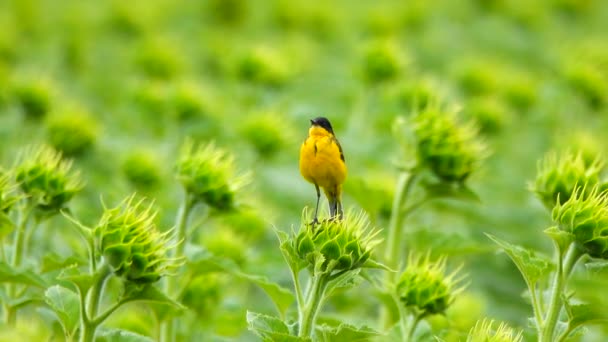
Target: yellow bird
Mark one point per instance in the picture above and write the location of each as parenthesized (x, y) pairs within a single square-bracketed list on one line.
[(322, 164)]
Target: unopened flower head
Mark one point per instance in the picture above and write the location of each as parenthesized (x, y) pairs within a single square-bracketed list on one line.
[(131, 244), (484, 331), (7, 196), (425, 286), (207, 174), (336, 245), (558, 175), (585, 215), (46, 178), (451, 150)]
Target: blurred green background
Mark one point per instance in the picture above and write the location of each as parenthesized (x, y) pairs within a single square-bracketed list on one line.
[(118, 86)]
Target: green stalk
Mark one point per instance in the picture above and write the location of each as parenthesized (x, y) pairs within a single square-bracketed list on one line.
[(313, 304), (412, 327), (565, 266), (89, 305), (395, 236), (10, 313), (298, 289), (167, 328)]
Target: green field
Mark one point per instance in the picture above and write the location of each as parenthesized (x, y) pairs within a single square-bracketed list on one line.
[(462, 122)]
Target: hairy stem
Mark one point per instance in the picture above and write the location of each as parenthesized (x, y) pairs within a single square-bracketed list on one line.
[(565, 266), (313, 304), (89, 304), (167, 328), (412, 327)]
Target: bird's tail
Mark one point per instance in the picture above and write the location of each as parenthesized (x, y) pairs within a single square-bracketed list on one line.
[(335, 203)]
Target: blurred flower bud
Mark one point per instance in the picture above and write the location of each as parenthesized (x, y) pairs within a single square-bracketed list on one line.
[(186, 102), (339, 245), (557, 176), (46, 178), (142, 169), (207, 174), (263, 133), (159, 59), (484, 331), (588, 81), (34, 97), (225, 243), (262, 66), (425, 287), (130, 243), (7, 196), (204, 294), (451, 150), (72, 132), (585, 215), (381, 62)]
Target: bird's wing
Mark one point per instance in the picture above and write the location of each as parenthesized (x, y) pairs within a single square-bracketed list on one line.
[(334, 139)]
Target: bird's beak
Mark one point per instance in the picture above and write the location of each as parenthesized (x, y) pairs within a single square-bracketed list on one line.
[(312, 121)]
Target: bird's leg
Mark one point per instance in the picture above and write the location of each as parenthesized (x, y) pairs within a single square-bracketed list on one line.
[(315, 220)]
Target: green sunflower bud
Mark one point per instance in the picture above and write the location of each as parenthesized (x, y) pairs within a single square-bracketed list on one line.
[(34, 98), (484, 331), (381, 62), (425, 287), (46, 178), (130, 243), (262, 66), (72, 132), (142, 169), (7, 197), (452, 151), (585, 215), (158, 59), (557, 176), (262, 132), (340, 245), (207, 174)]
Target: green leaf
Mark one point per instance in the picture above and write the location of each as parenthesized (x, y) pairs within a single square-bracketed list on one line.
[(532, 267), (371, 263), (8, 274), (561, 238), (6, 225), (458, 192), (281, 297), (208, 263), (75, 276), (270, 329), (119, 335), (149, 293), (66, 305), (345, 332), (289, 252), (52, 262), (343, 281), (582, 314)]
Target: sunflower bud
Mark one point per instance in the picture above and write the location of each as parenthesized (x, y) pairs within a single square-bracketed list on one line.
[(485, 332), (557, 176), (340, 245), (34, 98), (207, 174), (46, 178), (450, 150), (72, 132), (381, 62), (425, 287), (142, 169), (262, 66), (585, 215), (130, 243)]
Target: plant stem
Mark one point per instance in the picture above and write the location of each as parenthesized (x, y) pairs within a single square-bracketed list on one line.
[(89, 304), (298, 289), (313, 303), (565, 266), (10, 313), (404, 185), (167, 328), (412, 327), (395, 237)]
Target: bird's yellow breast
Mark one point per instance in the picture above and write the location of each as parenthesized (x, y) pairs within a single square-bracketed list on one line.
[(321, 160)]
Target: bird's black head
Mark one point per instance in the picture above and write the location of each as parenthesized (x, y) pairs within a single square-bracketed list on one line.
[(322, 122)]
